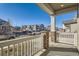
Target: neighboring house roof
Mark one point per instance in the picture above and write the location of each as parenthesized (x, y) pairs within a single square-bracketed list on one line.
[(72, 21), (2, 21)]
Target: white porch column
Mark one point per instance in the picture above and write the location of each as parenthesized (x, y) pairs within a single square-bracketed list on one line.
[(78, 27), (53, 28), (64, 27), (78, 33), (53, 23)]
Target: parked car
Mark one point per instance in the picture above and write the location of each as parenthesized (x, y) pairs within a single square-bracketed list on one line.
[(36, 33), (17, 34), (7, 36), (29, 32)]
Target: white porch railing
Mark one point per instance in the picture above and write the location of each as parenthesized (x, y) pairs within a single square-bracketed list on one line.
[(70, 38), (25, 46)]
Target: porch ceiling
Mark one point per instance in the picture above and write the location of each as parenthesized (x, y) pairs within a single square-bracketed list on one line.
[(57, 8)]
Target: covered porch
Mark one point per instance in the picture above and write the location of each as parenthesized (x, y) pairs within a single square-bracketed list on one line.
[(46, 44), (61, 43)]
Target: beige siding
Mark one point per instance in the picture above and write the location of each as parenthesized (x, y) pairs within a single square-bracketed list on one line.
[(74, 27)]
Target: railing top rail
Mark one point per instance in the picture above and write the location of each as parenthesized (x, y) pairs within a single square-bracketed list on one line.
[(67, 33), (17, 40)]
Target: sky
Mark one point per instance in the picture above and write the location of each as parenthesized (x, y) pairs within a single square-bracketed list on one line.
[(29, 13)]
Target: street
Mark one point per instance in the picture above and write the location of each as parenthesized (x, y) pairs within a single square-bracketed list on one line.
[(16, 37)]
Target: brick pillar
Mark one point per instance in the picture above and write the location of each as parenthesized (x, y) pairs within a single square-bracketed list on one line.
[(46, 40), (53, 36)]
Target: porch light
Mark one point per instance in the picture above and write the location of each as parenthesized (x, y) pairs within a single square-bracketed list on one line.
[(62, 5)]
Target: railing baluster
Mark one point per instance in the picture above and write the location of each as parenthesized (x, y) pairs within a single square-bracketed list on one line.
[(32, 47), (41, 39), (25, 48), (22, 49), (42, 43), (18, 49), (1, 51), (8, 51), (29, 47), (14, 50), (37, 44)]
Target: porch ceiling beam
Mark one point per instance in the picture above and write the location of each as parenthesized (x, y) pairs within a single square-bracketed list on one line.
[(66, 10), (49, 8), (46, 7)]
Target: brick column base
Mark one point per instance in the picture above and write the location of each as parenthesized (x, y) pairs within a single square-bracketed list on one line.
[(53, 36), (46, 40)]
